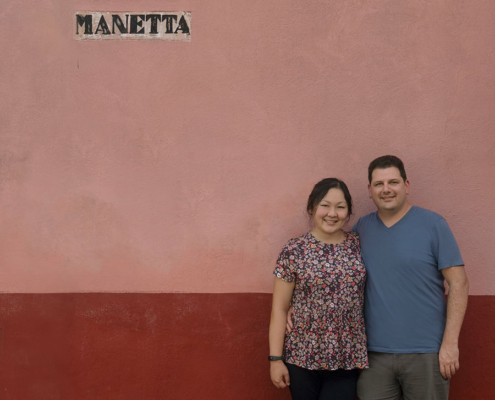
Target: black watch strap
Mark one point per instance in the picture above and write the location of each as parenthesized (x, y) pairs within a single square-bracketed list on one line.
[(276, 358)]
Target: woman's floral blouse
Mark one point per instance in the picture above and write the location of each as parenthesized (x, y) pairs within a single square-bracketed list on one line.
[(328, 303)]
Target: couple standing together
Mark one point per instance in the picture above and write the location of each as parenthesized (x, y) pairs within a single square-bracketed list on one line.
[(410, 347)]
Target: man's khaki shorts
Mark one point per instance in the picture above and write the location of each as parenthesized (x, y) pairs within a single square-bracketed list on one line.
[(396, 376)]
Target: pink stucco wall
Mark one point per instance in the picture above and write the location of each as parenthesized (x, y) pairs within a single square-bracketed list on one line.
[(161, 166)]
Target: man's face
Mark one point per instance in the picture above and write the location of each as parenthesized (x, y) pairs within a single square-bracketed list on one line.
[(388, 190)]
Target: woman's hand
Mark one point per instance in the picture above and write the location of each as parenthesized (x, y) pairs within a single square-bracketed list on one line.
[(279, 374), (289, 325)]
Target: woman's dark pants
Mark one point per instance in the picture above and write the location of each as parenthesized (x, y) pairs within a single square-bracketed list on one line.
[(306, 384)]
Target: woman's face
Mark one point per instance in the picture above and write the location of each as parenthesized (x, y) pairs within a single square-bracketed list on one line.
[(331, 214)]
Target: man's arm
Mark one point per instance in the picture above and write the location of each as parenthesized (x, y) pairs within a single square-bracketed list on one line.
[(456, 307)]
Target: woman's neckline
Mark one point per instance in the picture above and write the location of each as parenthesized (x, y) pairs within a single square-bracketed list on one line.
[(329, 244)]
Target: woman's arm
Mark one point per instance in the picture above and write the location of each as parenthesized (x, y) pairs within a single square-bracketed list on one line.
[(282, 296)]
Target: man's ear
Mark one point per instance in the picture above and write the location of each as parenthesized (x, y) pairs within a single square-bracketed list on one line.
[(408, 185), (369, 191)]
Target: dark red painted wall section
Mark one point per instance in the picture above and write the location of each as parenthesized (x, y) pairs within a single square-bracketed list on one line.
[(172, 346)]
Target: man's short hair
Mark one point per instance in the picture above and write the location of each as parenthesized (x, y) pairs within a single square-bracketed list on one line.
[(387, 162)]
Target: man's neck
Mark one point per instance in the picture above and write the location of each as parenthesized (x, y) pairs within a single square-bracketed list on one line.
[(391, 218)]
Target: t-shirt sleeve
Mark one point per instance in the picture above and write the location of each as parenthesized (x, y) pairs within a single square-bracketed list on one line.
[(355, 228), (286, 264), (445, 246)]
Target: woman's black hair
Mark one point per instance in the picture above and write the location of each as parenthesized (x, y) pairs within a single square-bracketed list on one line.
[(321, 189)]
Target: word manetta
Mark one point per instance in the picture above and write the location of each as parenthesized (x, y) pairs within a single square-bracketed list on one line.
[(136, 25)]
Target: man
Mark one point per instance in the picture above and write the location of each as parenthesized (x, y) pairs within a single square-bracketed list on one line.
[(408, 252)]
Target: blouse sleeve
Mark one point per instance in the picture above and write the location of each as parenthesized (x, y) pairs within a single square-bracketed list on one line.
[(286, 264), (355, 240)]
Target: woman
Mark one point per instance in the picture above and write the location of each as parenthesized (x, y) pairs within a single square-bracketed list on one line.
[(322, 274)]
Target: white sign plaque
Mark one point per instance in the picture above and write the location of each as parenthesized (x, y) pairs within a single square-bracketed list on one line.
[(121, 25)]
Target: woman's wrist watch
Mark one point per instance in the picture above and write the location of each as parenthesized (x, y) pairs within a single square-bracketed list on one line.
[(276, 358)]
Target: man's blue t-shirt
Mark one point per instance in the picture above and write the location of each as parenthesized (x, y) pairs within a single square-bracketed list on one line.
[(405, 309)]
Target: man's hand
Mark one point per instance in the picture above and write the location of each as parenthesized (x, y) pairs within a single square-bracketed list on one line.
[(290, 325), (449, 360), (279, 374)]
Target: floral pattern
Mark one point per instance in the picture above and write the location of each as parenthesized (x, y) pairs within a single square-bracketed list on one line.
[(328, 303)]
